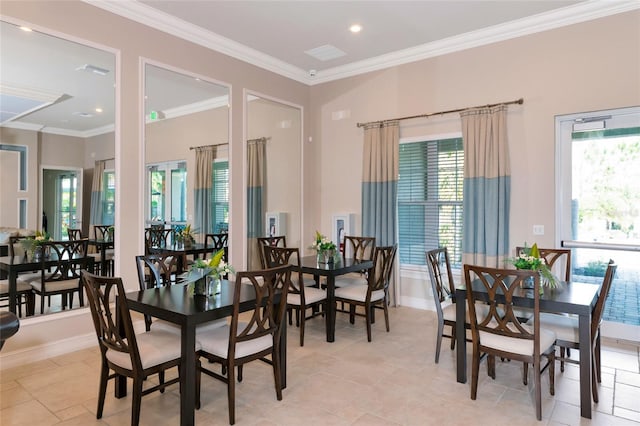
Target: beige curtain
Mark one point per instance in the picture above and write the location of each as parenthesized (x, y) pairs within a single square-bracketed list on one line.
[(202, 191), (487, 186), (256, 190), (96, 195)]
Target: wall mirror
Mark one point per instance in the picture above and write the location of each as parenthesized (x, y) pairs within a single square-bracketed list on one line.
[(56, 125), (186, 151), (274, 173)]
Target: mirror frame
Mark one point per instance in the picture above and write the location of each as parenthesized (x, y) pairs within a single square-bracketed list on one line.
[(245, 132), (117, 63), (144, 61)]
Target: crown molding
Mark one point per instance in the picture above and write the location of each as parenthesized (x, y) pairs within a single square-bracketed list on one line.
[(580, 12)]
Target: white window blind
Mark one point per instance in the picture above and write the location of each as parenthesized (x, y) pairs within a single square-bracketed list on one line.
[(430, 199), (220, 196)]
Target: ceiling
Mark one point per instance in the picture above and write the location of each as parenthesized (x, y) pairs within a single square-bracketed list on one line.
[(40, 71)]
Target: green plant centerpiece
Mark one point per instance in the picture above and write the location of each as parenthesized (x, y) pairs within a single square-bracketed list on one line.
[(205, 274), (324, 247), (33, 246), (529, 259), (186, 236)]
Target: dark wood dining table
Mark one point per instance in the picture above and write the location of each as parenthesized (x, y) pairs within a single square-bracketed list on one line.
[(102, 246), (177, 304), (569, 298), (13, 265), (341, 266)]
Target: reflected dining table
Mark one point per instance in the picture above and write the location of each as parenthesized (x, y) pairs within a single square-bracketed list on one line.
[(341, 266), (102, 245), (181, 252), (13, 265), (568, 298), (177, 304)]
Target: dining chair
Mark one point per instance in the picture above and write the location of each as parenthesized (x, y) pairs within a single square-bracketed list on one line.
[(359, 248), (566, 329), (124, 352), (216, 242), (552, 256), (101, 232), (300, 297), (497, 331), (156, 236), (76, 234), (63, 277), (275, 241), (443, 289), (24, 294), (17, 251), (374, 294), (239, 342)]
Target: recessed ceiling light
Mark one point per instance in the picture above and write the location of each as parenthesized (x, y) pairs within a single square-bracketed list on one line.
[(355, 28), (98, 109), (27, 29)]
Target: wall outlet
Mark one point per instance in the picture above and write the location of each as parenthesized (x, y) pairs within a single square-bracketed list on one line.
[(538, 229)]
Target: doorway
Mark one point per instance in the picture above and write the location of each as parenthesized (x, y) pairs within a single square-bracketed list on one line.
[(598, 207), (61, 201)]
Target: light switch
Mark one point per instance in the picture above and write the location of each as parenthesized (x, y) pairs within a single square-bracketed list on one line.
[(538, 229)]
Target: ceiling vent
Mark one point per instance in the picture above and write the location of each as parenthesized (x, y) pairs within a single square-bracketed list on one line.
[(93, 69), (83, 114), (325, 53)]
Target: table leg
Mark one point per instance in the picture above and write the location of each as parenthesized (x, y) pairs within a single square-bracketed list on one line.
[(120, 385), (103, 262), (331, 308), (584, 325), (188, 375), (13, 278), (461, 334), (283, 354)]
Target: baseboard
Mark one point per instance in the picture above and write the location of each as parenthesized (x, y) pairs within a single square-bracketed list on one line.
[(48, 350), (417, 303)]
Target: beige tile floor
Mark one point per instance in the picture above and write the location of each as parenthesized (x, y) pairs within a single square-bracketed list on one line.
[(390, 381)]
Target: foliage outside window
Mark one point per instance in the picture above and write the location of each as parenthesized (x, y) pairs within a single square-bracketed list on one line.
[(108, 197), (430, 199)]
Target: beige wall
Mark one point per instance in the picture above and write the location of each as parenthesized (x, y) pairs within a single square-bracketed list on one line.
[(584, 67)]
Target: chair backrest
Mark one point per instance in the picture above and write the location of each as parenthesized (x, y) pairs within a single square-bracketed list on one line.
[(70, 259), (278, 256), (275, 241), (382, 267), (217, 242), (442, 284), (551, 256), (155, 270), (499, 318), (596, 315), (267, 315), (101, 231), (15, 247), (101, 292), (156, 237), (74, 234), (359, 248)]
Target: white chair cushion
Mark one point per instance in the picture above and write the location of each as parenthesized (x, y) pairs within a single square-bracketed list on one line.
[(358, 293), (565, 326), (308, 281), (156, 347), (349, 280), (28, 277), (52, 286), (20, 286), (216, 342), (515, 345), (311, 295)]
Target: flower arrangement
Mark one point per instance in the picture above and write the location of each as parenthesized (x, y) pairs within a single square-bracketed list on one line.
[(186, 235), (214, 267), (35, 242), (322, 243), (529, 258)]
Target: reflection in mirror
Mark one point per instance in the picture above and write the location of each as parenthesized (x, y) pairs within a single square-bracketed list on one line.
[(186, 152), (274, 187), (57, 126)]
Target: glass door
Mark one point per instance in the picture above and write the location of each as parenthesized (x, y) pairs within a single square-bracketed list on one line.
[(598, 207)]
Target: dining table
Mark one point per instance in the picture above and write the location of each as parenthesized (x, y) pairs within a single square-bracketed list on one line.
[(102, 245), (177, 304), (340, 266), (13, 265), (575, 298)]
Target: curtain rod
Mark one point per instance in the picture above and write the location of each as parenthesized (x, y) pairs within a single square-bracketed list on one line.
[(107, 159), (207, 146), (518, 101), (263, 139)]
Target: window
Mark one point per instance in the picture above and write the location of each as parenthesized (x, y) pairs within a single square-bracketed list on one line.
[(167, 197), (430, 199), (108, 197), (220, 197)]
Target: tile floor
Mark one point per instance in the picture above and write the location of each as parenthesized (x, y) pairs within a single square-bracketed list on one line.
[(390, 381)]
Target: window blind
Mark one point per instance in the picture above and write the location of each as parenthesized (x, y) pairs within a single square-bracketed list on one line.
[(220, 196)]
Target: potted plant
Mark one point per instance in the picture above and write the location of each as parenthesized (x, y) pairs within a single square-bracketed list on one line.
[(206, 274)]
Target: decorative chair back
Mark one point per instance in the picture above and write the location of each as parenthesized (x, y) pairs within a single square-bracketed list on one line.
[(278, 256), (442, 284), (267, 315), (15, 247), (74, 234), (101, 232), (217, 242), (276, 241), (155, 270), (101, 292), (359, 248), (596, 316), (551, 256), (382, 267), (156, 237), (70, 257)]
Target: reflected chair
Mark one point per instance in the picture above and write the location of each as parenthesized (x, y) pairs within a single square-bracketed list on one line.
[(497, 331), (156, 237), (567, 330), (215, 242), (374, 294), (124, 352), (102, 232), (24, 294), (63, 277), (300, 297), (359, 248), (276, 241), (240, 342), (155, 270), (444, 291), (76, 234)]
